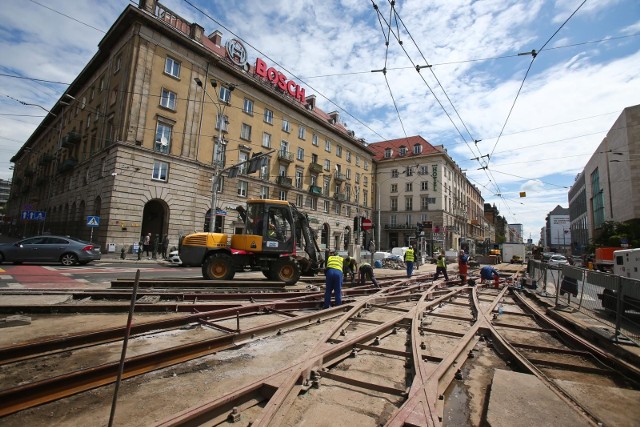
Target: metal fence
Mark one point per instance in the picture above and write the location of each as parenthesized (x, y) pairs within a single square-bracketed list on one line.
[(612, 300)]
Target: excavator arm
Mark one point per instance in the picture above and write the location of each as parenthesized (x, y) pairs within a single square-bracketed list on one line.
[(315, 261)]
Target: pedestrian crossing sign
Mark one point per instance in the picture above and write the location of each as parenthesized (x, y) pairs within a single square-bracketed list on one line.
[(93, 221)]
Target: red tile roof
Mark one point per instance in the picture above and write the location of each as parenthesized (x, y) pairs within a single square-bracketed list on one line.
[(378, 148)]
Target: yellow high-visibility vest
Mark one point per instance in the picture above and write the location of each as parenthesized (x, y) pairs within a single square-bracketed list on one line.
[(441, 262), (408, 256), (335, 262)]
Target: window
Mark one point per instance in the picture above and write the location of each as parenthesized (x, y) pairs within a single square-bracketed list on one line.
[(314, 159), (268, 116), (160, 171), (245, 132), (597, 202), (88, 120), (409, 171), (299, 177), (424, 186), (313, 202), (248, 106), (402, 151), (339, 150), (222, 122), (394, 204), (365, 196), (300, 155), (357, 161), (424, 170), (394, 173), (163, 137), (117, 64), (336, 208), (348, 156), (408, 203), (285, 125), (387, 153), (172, 67), (168, 99), (366, 181), (301, 132), (92, 93), (366, 165), (394, 188), (417, 149), (327, 145), (314, 139), (266, 140), (348, 174), (243, 188), (325, 208), (357, 177), (264, 192), (299, 200), (425, 201), (282, 195), (225, 94), (101, 86), (327, 164)]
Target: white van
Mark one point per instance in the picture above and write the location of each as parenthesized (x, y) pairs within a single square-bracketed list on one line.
[(626, 263)]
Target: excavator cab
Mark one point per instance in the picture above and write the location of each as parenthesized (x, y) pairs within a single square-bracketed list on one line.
[(268, 228)]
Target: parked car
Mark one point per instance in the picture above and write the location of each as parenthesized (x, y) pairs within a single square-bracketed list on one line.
[(174, 258), (558, 260), (64, 249)]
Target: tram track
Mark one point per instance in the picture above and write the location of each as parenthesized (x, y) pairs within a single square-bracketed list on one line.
[(394, 352)]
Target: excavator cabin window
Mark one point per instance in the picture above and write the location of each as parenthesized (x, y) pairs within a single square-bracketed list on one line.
[(279, 224)]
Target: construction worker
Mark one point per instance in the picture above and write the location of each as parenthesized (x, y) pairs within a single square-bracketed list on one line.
[(441, 267), (487, 273), (333, 282), (367, 271), (463, 267), (409, 258), (350, 266)]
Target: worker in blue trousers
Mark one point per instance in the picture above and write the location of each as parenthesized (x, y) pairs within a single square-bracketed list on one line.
[(333, 282)]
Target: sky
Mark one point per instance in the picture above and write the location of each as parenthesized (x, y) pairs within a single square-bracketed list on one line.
[(513, 121)]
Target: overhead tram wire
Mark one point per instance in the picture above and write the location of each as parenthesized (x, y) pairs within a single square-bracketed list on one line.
[(533, 54), (285, 69)]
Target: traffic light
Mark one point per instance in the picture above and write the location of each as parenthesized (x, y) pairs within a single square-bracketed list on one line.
[(356, 223), (256, 163)]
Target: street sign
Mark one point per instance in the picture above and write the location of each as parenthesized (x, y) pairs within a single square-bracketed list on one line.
[(33, 215), (93, 221), (366, 224)]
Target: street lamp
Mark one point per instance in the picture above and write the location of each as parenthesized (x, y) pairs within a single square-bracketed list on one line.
[(216, 172)]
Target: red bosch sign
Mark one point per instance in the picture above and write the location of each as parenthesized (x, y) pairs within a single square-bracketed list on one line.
[(280, 80)]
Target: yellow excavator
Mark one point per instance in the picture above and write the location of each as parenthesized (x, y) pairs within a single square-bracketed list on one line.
[(277, 240)]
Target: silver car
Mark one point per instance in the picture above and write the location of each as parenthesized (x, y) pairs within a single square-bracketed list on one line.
[(63, 249)]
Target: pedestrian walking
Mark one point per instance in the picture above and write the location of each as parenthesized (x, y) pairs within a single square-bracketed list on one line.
[(409, 258), (165, 246), (140, 249), (463, 267), (441, 267), (146, 244), (333, 282), (156, 244), (366, 271), (349, 266)]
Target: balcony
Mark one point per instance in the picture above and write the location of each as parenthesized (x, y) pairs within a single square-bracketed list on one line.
[(70, 139), (339, 176), (316, 190), (341, 197), (285, 181), (315, 167), (285, 156), (67, 165)]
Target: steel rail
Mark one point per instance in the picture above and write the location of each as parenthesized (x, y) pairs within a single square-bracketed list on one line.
[(283, 384), (29, 395)]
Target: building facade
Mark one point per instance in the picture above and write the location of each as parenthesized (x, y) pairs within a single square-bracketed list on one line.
[(558, 230), (611, 177), (578, 216), (159, 112), (423, 197)]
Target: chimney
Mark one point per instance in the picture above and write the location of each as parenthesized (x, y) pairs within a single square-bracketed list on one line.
[(311, 102), (216, 38), (334, 117), (148, 5)]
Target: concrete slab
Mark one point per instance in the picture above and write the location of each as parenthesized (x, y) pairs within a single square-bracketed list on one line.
[(523, 400), (611, 405), (16, 320)]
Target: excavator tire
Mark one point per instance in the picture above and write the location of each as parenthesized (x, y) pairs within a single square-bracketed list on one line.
[(218, 267), (285, 270)]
